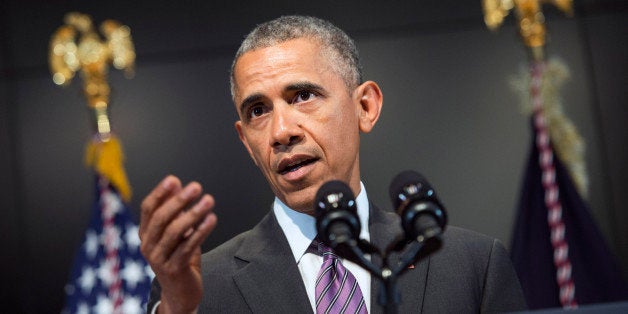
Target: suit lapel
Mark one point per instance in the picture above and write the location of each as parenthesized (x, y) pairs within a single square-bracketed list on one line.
[(384, 228), (270, 280)]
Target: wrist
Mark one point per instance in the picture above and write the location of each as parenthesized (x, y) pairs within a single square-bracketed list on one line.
[(172, 307)]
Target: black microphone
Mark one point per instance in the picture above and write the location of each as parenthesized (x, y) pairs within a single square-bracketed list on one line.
[(422, 214), (337, 220)]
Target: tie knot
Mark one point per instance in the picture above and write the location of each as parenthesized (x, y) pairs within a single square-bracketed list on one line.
[(320, 248)]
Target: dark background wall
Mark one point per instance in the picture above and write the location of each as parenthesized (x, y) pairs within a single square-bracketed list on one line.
[(448, 112)]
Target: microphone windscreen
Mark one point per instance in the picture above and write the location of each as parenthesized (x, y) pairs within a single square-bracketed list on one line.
[(403, 179), (331, 192), (334, 187)]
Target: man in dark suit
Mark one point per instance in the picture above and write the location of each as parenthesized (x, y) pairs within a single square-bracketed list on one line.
[(297, 87)]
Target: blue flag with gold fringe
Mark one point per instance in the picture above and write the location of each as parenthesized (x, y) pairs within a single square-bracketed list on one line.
[(594, 272)]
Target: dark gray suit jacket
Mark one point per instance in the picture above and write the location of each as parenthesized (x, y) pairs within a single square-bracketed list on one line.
[(256, 272)]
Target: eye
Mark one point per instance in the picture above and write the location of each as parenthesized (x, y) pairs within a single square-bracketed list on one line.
[(256, 111), (303, 96)]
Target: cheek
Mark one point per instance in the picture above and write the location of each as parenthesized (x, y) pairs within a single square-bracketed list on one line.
[(343, 133), (347, 123), (261, 156), (256, 147)]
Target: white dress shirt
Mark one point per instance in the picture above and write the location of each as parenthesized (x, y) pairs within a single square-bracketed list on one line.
[(300, 230)]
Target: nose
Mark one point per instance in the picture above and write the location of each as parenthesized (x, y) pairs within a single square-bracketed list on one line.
[(285, 130)]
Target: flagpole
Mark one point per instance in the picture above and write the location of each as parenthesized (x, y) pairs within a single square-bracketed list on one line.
[(532, 30)]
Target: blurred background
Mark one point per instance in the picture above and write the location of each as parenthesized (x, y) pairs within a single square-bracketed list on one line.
[(449, 112)]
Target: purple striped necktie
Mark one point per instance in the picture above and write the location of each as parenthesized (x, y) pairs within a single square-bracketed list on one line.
[(337, 290)]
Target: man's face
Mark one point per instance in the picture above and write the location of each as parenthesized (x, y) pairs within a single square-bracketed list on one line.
[(298, 120)]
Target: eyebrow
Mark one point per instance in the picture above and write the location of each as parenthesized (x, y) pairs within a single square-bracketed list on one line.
[(304, 86)]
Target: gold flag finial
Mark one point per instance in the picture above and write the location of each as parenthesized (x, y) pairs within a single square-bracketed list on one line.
[(530, 19), (77, 47)]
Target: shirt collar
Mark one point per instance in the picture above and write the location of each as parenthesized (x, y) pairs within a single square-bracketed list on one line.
[(300, 229)]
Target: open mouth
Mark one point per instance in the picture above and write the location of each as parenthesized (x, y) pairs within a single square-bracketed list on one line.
[(294, 166)]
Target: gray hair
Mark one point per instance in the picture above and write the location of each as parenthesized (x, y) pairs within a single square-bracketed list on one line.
[(336, 44)]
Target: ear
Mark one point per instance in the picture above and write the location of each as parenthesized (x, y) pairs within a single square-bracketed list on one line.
[(370, 100), (238, 126)]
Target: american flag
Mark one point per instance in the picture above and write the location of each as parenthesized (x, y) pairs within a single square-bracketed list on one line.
[(109, 274)]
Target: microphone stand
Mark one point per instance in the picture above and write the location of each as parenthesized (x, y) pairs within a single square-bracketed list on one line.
[(422, 219), (389, 273)]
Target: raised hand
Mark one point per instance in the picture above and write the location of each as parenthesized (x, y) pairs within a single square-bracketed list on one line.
[(174, 222)]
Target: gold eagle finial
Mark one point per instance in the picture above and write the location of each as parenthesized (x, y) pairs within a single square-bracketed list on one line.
[(530, 19), (77, 47)]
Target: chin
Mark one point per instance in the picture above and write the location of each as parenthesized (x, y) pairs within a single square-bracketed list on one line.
[(301, 206), (301, 201)]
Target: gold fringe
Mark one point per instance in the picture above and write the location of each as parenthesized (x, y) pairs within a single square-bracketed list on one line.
[(107, 158), (567, 143)]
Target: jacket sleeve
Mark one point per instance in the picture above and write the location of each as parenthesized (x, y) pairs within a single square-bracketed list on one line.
[(155, 297)]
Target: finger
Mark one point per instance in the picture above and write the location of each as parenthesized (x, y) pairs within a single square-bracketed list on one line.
[(174, 232), (200, 209), (169, 185), (164, 215), (184, 252)]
